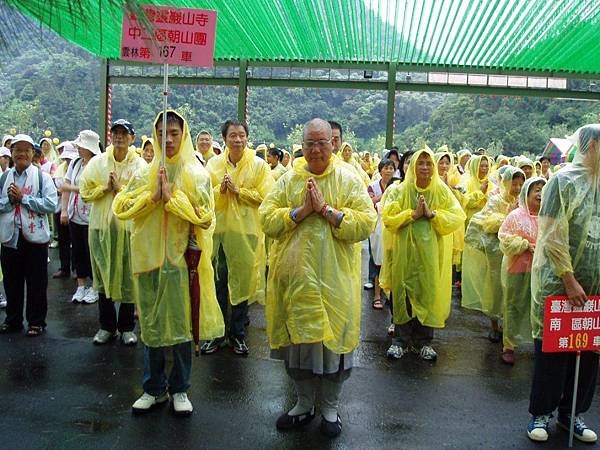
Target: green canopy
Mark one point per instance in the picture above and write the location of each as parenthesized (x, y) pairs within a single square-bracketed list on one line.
[(558, 36)]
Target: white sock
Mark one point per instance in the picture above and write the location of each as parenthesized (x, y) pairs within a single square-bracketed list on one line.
[(305, 390), (330, 398)]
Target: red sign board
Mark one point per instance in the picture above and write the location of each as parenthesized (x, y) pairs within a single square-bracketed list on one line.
[(570, 329), (180, 36)]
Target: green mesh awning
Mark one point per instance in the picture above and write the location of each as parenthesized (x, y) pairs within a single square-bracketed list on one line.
[(474, 35)]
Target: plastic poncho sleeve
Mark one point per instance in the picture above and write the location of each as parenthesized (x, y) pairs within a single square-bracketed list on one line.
[(359, 216), (393, 215), (180, 205), (513, 245), (276, 220), (446, 220), (90, 189), (256, 196), (134, 201), (556, 220), (475, 199)]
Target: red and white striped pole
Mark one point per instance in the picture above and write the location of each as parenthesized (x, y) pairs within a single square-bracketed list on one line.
[(108, 113)]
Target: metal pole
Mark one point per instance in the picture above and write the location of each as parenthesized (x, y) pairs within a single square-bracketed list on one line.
[(575, 385), (103, 107), (164, 117), (243, 90), (391, 106)]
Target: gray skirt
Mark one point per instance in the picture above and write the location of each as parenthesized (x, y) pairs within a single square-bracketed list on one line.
[(307, 360)]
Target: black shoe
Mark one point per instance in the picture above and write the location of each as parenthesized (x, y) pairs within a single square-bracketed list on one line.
[(60, 274), (212, 346), (287, 422), (239, 346), (6, 328), (331, 429), (495, 336)]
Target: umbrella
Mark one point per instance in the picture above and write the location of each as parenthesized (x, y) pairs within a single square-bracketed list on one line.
[(192, 258)]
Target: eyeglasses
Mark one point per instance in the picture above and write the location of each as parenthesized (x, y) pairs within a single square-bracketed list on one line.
[(320, 143)]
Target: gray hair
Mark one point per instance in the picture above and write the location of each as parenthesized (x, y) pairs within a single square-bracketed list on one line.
[(316, 123)]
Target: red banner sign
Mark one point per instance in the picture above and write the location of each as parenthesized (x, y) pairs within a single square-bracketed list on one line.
[(570, 329), (180, 36)]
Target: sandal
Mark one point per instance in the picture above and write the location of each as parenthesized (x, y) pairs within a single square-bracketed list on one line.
[(377, 304), (34, 331)]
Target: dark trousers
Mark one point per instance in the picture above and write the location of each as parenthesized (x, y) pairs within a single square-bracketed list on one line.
[(155, 378), (81, 250), (27, 265), (372, 267), (108, 315), (64, 244), (239, 313), (412, 332), (553, 380)]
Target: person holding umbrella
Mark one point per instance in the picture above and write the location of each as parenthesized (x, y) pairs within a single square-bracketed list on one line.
[(171, 206)]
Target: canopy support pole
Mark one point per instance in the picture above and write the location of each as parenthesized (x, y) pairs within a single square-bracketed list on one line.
[(103, 110), (391, 106), (243, 91)]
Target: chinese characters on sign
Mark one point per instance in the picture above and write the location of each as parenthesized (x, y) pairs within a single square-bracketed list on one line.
[(179, 36), (568, 328)]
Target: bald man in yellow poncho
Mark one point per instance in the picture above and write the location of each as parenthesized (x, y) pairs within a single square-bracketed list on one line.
[(171, 206)]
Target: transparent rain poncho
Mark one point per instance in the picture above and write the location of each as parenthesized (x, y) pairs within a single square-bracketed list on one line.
[(238, 228), (314, 286), (516, 235), (159, 238), (108, 236), (417, 260), (569, 228), (482, 258)]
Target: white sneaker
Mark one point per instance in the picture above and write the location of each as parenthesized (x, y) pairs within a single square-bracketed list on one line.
[(53, 244), (367, 286), (2, 301), (103, 336), (396, 352), (91, 296), (427, 353), (147, 401), (181, 404), (128, 338), (79, 294)]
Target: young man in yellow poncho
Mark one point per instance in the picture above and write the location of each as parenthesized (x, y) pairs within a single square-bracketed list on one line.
[(240, 181), (171, 209), (420, 215), (566, 262), (316, 214), (482, 257), (102, 179)]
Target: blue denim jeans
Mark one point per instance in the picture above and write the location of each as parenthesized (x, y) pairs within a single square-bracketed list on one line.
[(155, 377)]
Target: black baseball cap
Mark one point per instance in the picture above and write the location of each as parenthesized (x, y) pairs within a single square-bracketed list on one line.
[(123, 123)]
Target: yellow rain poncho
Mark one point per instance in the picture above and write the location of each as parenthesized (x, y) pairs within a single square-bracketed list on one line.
[(475, 198), (278, 171), (159, 239), (482, 258), (314, 282), (354, 163), (458, 237), (238, 229), (569, 228), (516, 234), (108, 236), (417, 260)]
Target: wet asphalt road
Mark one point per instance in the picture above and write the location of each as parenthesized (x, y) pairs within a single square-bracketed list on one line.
[(60, 391)]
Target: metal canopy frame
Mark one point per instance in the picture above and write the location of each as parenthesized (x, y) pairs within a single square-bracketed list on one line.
[(243, 81)]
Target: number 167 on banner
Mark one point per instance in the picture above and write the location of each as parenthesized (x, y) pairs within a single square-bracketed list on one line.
[(569, 328)]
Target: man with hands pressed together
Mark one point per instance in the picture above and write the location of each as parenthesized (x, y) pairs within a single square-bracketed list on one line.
[(102, 179), (240, 181), (315, 214)]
